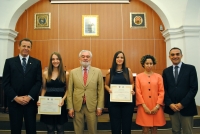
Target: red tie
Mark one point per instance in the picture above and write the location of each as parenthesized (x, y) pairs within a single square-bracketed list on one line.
[(85, 75)]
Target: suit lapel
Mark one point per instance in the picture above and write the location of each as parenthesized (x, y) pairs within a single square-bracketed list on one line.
[(171, 74), (90, 75), (80, 76), (30, 63), (182, 70), (18, 64)]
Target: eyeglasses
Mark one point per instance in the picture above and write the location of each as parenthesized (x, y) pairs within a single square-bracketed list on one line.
[(177, 54)]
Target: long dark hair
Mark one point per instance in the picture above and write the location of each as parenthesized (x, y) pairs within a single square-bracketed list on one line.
[(61, 71), (114, 66)]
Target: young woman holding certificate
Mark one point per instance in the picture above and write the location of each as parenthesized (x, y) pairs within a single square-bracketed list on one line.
[(120, 112), (149, 97), (55, 85)]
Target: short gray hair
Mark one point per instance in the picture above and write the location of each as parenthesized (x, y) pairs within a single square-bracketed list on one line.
[(85, 51)]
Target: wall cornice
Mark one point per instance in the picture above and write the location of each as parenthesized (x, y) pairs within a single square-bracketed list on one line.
[(181, 32), (8, 34)]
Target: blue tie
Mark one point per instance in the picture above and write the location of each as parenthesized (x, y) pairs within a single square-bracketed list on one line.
[(176, 74), (24, 64)]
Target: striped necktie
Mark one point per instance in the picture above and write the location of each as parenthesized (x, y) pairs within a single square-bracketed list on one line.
[(24, 64)]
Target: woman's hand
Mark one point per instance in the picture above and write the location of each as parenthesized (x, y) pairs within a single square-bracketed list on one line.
[(155, 109), (38, 103), (146, 109), (109, 91), (132, 92), (61, 103)]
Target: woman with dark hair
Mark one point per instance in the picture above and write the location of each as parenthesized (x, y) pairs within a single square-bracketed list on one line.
[(55, 85), (120, 112), (149, 97)]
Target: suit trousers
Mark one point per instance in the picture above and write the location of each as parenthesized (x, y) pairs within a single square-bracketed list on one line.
[(26, 113), (79, 121), (121, 117), (178, 121)]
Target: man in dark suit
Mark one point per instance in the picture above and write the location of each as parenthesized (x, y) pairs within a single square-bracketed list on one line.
[(181, 86), (22, 79)]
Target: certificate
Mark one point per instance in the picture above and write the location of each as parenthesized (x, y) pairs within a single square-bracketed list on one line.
[(121, 93), (49, 105)]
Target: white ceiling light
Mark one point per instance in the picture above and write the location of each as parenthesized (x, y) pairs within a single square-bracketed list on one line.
[(89, 1)]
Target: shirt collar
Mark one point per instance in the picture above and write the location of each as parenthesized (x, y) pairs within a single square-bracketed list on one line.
[(82, 68), (179, 65), (20, 56)]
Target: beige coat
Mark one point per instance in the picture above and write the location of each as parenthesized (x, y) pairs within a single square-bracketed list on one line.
[(94, 89)]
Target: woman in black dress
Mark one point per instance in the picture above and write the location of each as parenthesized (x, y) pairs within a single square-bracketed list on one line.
[(55, 85), (120, 112)]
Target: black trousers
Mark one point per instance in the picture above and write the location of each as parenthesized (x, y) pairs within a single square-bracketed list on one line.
[(18, 113), (121, 117)]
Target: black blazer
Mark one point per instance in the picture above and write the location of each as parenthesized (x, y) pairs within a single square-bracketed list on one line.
[(183, 92), (18, 83)]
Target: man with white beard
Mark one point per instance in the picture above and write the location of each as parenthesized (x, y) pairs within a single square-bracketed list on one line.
[(85, 97)]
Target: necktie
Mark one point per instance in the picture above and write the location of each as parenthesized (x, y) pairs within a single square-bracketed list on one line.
[(85, 75), (176, 74), (24, 64)]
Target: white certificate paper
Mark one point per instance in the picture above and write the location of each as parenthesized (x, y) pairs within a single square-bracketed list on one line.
[(49, 105), (121, 93)]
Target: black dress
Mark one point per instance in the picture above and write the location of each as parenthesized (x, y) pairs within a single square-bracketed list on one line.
[(55, 88)]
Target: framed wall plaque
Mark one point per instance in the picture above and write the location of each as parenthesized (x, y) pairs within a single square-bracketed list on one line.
[(42, 21), (90, 25), (138, 20)]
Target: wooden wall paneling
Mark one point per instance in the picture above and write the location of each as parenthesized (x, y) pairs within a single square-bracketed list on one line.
[(157, 23), (21, 26), (110, 20), (42, 50), (134, 50), (137, 33), (65, 35), (69, 50), (43, 6), (70, 20), (160, 55), (103, 52), (16, 50)]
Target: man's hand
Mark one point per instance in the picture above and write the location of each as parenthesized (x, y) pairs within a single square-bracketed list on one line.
[(179, 106), (174, 107), (22, 100), (99, 112), (71, 113)]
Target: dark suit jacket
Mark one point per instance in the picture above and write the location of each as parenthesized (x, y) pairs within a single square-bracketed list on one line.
[(18, 83), (183, 92)]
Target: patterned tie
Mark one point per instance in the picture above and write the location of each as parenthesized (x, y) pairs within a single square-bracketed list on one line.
[(176, 74), (24, 64), (85, 75)]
